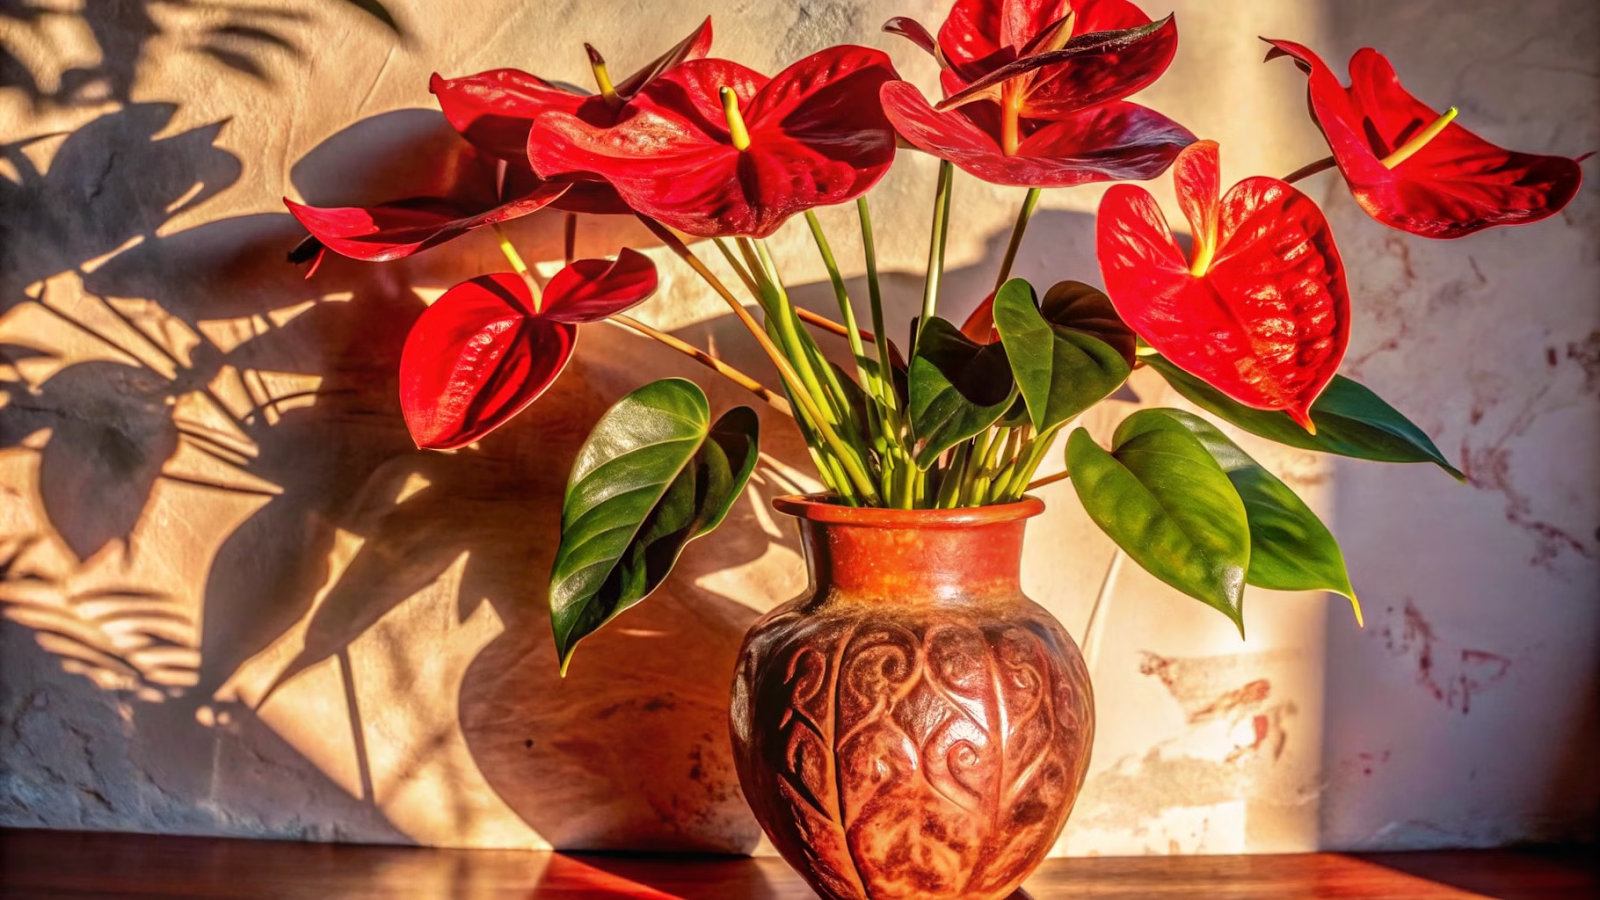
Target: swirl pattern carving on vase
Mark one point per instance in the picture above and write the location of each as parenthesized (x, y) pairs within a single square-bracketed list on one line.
[(912, 753)]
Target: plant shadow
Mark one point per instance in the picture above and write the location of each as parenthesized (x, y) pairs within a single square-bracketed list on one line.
[(230, 521)]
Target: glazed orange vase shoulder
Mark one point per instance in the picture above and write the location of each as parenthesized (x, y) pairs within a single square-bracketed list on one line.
[(912, 727)]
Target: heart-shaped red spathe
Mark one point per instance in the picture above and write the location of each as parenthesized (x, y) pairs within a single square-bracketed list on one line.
[(1455, 185), (1262, 313), (495, 109), (813, 142), (467, 199), (1107, 50), (589, 290), (1044, 59), (1118, 141), (482, 353)]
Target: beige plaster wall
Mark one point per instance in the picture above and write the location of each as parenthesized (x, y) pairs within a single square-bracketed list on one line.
[(206, 490)]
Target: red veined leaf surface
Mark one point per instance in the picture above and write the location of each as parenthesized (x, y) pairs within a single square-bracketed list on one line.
[(1091, 69), (589, 290), (813, 142), (1262, 313), (1112, 142), (984, 41), (495, 109), (1457, 184), (477, 357)]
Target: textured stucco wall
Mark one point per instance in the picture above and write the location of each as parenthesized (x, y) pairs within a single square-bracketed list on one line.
[(205, 483)]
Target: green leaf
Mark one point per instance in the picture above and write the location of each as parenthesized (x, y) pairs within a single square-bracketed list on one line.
[(958, 388), (1061, 372), (1351, 421), (1075, 305), (1290, 548), (653, 476), (1162, 498)]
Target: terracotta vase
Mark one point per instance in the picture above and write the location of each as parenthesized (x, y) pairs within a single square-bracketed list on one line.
[(912, 726)]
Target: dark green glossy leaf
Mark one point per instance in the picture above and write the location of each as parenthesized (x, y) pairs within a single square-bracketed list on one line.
[(958, 388), (1061, 372), (653, 476), (1162, 498), (1290, 548), (1351, 421), (1075, 305)]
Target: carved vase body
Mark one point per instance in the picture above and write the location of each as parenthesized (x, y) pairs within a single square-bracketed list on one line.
[(912, 727)]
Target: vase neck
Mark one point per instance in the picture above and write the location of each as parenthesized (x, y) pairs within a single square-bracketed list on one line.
[(909, 557)]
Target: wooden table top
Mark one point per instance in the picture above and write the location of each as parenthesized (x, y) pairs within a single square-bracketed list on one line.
[(59, 864)]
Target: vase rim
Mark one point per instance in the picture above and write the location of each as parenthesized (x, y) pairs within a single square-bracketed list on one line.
[(820, 508)]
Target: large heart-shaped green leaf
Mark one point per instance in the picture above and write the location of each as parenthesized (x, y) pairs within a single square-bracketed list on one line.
[(1061, 372), (654, 475), (1162, 498), (1351, 421), (1290, 548), (958, 388)]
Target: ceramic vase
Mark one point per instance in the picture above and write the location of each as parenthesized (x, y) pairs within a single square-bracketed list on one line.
[(912, 726)]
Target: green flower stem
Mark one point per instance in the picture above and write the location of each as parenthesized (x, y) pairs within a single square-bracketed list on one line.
[(875, 295), (856, 475), (1309, 169), (738, 267), (793, 339), (1015, 244), (806, 356), (907, 478), (936, 242), (1032, 456), (518, 266), (1063, 475), (982, 484), (705, 359), (846, 312), (976, 460), (950, 487)]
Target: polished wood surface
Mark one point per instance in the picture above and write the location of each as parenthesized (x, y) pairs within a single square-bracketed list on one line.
[(77, 864)]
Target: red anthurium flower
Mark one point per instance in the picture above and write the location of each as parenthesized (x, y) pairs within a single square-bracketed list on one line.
[(1413, 169), (1035, 92), (467, 200), (495, 111), (713, 149), (486, 349), (1260, 312)]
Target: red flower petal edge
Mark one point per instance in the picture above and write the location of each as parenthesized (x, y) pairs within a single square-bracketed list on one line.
[(813, 142), (1118, 141), (495, 109), (1455, 185), (477, 357), (589, 290), (1267, 318), (467, 200)]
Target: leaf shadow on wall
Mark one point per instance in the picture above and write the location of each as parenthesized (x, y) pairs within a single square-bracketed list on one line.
[(239, 427), (98, 48), (193, 379), (126, 415)]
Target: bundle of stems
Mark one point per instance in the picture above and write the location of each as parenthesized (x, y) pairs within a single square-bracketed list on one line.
[(858, 425)]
